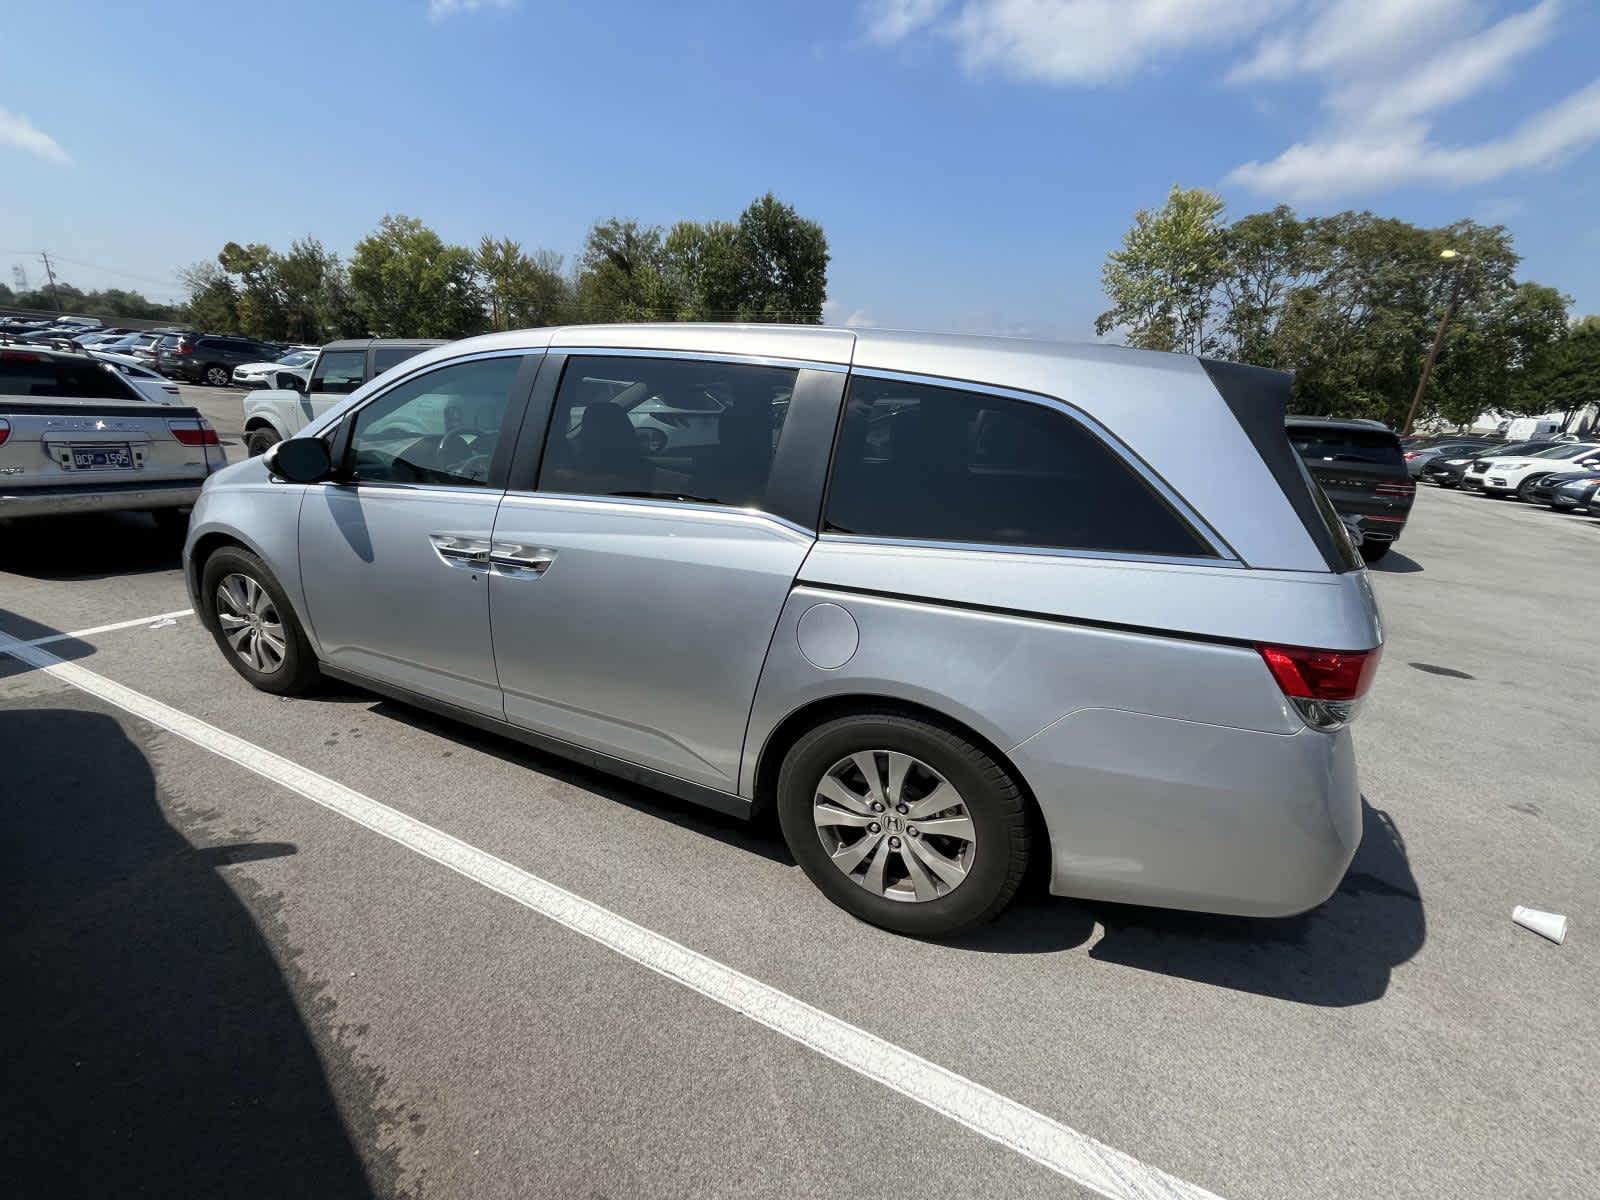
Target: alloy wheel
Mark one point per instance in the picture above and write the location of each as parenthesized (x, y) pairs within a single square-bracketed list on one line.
[(251, 623), (894, 825)]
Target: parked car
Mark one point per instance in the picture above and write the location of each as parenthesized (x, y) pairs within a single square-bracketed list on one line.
[(1451, 472), (135, 345), (76, 436), (1026, 619), (1418, 457), (340, 368), (289, 370), (207, 358), (151, 385), (1567, 490), (1363, 471), (1516, 475)]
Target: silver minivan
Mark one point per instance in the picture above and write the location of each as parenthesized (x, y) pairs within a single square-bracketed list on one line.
[(947, 605)]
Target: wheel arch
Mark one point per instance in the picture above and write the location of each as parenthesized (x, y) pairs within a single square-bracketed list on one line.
[(816, 712)]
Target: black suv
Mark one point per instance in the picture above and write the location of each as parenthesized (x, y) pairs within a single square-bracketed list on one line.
[(209, 357), (1363, 471)]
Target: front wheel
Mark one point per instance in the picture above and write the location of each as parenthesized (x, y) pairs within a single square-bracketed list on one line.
[(253, 624), (259, 441), (1525, 489), (217, 376), (904, 824)]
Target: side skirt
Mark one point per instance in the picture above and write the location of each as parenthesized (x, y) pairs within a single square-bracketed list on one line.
[(683, 789)]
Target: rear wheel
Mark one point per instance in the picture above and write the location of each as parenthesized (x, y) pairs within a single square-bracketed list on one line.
[(253, 624), (216, 376), (259, 441), (904, 824)]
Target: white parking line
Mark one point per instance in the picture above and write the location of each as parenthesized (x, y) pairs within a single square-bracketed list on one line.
[(1074, 1155), (82, 633)]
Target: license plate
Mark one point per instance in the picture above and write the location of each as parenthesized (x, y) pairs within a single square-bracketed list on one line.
[(112, 456)]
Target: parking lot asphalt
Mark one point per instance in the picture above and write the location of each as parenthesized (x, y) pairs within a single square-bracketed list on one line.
[(230, 988)]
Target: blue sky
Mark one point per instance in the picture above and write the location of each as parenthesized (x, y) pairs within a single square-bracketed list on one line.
[(972, 161)]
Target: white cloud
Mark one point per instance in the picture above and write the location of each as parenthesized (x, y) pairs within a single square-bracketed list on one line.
[(18, 131), (1072, 41), (891, 20), (1378, 131), (860, 320), (1355, 35), (1455, 73), (1384, 157), (438, 10)]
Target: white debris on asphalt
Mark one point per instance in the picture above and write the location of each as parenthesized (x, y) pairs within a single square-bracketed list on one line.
[(1545, 924)]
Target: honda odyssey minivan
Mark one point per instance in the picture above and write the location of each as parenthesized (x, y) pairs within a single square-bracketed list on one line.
[(947, 605)]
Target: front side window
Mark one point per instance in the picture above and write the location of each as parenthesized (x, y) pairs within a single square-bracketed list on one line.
[(441, 427), (340, 372), (667, 429), (938, 464)]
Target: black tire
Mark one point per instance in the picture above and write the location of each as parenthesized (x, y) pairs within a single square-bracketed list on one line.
[(993, 800), (1525, 488), (259, 441), (1445, 483), (297, 673), (1371, 552), (216, 375)]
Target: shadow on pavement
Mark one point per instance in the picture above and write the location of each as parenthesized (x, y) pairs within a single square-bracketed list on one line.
[(155, 1046), (90, 546), (1338, 954), (1395, 563)]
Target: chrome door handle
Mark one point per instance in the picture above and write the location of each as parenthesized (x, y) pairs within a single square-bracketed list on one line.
[(513, 558), (457, 550)]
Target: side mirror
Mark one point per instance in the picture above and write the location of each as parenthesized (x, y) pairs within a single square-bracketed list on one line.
[(301, 460)]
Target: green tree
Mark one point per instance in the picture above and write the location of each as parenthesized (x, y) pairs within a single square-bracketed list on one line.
[(783, 263), (213, 300), (406, 282), (623, 275), (1163, 282), (706, 263), (1564, 375), (522, 290)]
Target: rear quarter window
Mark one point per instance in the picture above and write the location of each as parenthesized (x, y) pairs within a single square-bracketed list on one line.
[(930, 463)]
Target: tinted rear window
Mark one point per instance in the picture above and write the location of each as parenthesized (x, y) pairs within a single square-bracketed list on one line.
[(23, 374), (939, 464), (385, 357), (1376, 446)]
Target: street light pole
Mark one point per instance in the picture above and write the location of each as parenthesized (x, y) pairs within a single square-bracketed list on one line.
[(1450, 256)]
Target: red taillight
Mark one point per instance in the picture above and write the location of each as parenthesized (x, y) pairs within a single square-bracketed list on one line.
[(1398, 490), (1306, 674), (185, 348), (5, 430), (1410, 454), (17, 356), (193, 433)]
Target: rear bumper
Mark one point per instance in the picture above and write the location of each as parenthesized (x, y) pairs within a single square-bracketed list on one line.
[(24, 502), (1149, 810)]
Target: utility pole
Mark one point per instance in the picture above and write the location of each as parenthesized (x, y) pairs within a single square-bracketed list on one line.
[(1449, 256), (44, 255)]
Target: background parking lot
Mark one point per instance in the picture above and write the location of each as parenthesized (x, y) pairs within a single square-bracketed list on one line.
[(229, 988)]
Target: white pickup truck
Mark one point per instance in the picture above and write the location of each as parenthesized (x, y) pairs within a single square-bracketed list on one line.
[(275, 415), (75, 436)]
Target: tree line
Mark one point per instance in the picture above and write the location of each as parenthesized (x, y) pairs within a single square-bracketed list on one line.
[(1351, 303), (404, 280), (110, 302)]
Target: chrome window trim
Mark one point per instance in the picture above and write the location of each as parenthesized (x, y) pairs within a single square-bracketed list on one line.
[(1115, 444), (443, 490), (1158, 560), (688, 507), (331, 418), (754, 360)]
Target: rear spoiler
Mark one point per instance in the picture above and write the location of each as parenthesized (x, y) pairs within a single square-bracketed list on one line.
[(1259, 400), (109, 408)]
